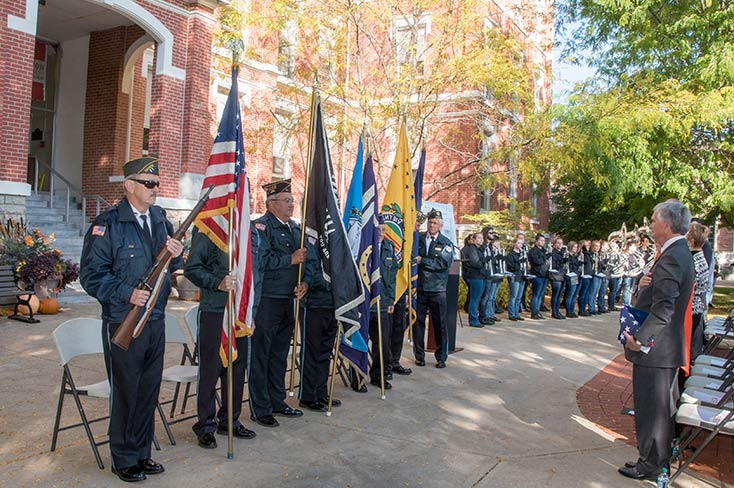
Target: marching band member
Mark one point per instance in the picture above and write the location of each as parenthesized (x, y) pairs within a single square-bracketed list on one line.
[(559, 262), (574, 268)]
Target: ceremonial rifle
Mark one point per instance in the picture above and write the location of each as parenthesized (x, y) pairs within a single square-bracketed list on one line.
[(138, 315)]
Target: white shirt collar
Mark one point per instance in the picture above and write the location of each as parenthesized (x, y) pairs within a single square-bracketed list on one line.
[(138, 215), (669, 242)]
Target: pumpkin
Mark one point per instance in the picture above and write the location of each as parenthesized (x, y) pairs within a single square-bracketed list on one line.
[(48, 306), (23, 310)]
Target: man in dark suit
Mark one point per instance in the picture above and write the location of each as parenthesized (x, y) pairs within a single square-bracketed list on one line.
[(657, 350)]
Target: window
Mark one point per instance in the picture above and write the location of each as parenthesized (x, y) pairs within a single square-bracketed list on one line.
[(287, 48), (410, 43)]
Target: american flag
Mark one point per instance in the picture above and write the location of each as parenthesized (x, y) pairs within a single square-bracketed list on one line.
[(226, 171), (630, 321)]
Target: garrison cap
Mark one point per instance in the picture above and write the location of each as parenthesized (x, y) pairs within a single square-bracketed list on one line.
[(435, 214), (141, 166), (275, 187), (420, 217)]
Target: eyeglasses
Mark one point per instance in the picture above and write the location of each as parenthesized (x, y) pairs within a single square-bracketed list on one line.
[(286, 200), (147, 183)]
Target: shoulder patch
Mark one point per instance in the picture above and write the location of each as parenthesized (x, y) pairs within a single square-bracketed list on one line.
[(98, 230), (260, 226)]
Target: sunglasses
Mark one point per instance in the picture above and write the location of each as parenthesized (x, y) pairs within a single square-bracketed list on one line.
[(147, 183)]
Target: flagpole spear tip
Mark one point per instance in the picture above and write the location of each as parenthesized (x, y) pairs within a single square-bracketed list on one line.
[(290, 394), (383, 397)]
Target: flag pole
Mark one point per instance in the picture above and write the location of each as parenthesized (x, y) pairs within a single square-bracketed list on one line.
[(333, 367), (309, 161), (230, 339), (382, 358)]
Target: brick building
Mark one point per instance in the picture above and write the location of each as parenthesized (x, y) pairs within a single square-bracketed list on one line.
[(87, 84)]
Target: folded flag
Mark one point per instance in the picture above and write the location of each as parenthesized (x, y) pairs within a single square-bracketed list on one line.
[(630, 321)]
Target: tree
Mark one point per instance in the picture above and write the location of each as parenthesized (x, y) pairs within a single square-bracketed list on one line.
[(659, 120)]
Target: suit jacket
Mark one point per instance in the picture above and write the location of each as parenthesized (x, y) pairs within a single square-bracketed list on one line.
[(666, 300)]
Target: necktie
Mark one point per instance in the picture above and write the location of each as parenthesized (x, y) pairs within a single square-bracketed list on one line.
[(146, 230), (430, 242)]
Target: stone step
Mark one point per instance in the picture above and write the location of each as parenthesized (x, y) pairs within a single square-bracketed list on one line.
[(45, 220)]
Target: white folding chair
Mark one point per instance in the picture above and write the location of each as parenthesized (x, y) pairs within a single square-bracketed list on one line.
[(74, 338), (181, 373), (699, 418)]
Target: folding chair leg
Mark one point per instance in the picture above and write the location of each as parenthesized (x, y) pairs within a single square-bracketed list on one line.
[(171, 439), (174, 402), (59, 407), (185, 398), (85, 422), (156, 444)]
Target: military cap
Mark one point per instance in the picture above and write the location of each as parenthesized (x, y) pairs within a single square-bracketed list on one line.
[(147, 165), (275, 187), (434, 214), (420, 217)]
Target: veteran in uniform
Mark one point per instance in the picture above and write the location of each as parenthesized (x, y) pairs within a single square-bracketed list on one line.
[(388, 274), (435, 255), (119, 249), (208, 268), (275, 314)]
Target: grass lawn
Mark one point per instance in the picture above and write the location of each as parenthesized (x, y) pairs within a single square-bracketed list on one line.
[(723, 301)]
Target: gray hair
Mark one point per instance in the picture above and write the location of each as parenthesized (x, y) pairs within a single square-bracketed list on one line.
[(676, 214)]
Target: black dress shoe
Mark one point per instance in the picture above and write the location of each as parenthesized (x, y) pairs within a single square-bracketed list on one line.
[(584, 314), (266, 421), (289, 412), (537, 316), (207, 440), (401, 370), (150, 467), (131, 474), (630, 464), (388, 386), (335, 402), (571, 316), (359, 389), (239, 431), (420, 362), (388, 375), (520, 318), (316, 406), (636, 475), (496, 319), (441, 364), (514, 319)]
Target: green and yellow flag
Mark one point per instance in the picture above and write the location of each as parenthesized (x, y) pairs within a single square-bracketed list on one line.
[(399, 213)]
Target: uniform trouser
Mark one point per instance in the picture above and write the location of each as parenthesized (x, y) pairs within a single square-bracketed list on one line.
[(269, 358), (398, 322), (654, 392), (211, 370), (487, 307), (594, 293), (584, 294), (556, 290), (600, 297), (386, 327), (135, 381), (435, 302), (536, 299), (614, 284), (320, 328), (571, 294), (476, 289), (629, 285)]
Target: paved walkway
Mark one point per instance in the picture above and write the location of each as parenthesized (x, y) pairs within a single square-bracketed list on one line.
[(503, 414)]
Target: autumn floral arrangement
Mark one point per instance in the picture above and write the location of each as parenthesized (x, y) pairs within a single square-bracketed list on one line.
[(33, 256)]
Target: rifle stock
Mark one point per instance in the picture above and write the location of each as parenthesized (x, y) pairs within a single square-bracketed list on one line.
[(137, 316)]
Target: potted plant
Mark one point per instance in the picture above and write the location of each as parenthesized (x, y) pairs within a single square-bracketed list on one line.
[(36, 262)]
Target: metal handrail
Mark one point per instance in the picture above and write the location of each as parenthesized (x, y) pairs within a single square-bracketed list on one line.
[(69, 187)]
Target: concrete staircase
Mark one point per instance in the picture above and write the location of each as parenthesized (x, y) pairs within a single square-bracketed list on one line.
[(69, 234)]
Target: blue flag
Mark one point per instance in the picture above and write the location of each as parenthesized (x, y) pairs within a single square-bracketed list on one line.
[(418, 185), (630, 321), (353, 208), (369, 269)]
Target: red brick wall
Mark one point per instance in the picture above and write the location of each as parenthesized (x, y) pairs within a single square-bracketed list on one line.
[(197, 122), (106, 110), (16, 72)]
